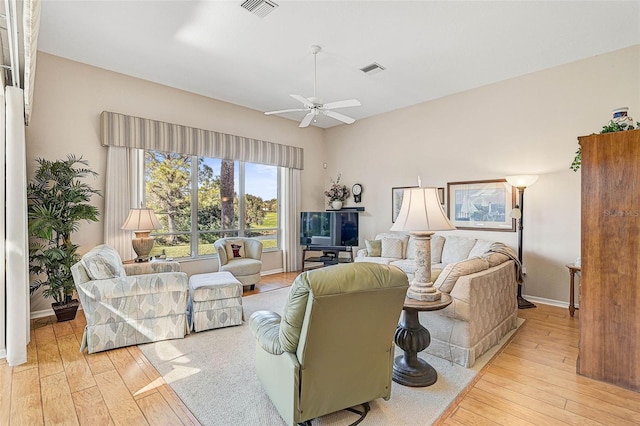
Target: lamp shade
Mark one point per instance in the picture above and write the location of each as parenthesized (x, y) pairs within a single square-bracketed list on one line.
[(421, 211), (521, 181), (141, 220)]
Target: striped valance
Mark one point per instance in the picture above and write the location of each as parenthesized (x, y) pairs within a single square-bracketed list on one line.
[(135, 132)]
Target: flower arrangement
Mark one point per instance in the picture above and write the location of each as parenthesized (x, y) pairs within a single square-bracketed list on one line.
[(336, 192)]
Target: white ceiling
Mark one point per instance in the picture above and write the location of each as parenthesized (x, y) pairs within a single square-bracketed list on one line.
[(430, 49)]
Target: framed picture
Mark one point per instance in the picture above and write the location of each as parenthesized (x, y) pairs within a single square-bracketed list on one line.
[(396, 200), (482, 205)]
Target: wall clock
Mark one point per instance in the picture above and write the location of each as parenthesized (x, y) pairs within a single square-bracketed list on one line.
[(357, 192)]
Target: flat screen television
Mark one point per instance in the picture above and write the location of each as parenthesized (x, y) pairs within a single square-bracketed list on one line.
[(329, 229)]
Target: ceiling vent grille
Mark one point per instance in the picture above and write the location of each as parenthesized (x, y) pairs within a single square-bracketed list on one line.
[(259, 7), (373, 68)]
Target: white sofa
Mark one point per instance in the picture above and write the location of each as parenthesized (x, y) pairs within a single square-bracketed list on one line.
[(481, 277)]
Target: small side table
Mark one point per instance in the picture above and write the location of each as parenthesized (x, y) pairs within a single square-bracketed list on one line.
[(412, 337), (573, 269), (131, 267)]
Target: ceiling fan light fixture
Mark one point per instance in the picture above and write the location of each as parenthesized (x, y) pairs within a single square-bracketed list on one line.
[(260, 8)]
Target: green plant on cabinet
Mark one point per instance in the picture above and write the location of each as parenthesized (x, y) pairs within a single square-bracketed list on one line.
[(607, 128)]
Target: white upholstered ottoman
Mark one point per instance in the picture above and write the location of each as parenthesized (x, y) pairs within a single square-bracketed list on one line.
[(215, 301)]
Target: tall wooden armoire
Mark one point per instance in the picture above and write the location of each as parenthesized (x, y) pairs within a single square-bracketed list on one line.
[(610, 288)]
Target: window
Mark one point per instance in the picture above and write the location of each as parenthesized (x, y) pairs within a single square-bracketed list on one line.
[(199, 200)]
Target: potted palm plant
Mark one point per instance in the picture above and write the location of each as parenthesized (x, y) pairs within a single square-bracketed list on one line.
[(57, 201)]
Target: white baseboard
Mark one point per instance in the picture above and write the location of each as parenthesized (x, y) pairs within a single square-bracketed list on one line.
[(272, 272), (552, 302), (41, 314), (3, 353)]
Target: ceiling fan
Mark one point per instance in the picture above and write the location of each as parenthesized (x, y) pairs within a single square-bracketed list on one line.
[(315, 106)]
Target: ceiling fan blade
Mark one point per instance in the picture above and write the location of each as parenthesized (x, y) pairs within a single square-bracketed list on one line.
[(338, 116), (342, 104), (306, 102), (307, 119), (286, 110)]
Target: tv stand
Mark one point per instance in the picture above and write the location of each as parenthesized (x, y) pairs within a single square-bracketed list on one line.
[(330, 256)]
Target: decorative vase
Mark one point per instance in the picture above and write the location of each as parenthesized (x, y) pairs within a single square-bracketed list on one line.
[(336, 204), (621, 118)]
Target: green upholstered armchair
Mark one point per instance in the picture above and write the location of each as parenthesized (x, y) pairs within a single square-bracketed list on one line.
[(333, 346)]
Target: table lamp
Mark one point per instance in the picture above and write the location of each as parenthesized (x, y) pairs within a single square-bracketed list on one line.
[(421, 214), (142, 222)]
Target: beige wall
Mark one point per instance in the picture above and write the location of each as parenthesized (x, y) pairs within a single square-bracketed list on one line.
[(70, 96), (524, 125)]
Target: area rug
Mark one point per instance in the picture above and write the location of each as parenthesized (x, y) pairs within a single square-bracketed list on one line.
[(213, 373)]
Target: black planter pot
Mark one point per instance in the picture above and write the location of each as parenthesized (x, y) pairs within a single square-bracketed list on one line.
[(66, 311)]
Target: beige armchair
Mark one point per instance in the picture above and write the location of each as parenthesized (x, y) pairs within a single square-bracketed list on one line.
[(333, 346), (129, 304), (242, 257)]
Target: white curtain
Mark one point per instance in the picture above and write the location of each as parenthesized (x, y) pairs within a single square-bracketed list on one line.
[(3, 324), (291, 256), (16, 242), (123, 191), (31, 29)]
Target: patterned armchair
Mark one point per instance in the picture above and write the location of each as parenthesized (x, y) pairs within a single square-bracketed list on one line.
[(242, 257), (129, 304)]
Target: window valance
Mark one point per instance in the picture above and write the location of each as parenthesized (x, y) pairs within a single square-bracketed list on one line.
[(135, 132)]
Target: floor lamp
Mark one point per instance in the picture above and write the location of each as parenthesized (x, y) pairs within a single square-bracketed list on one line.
[(521, 182)]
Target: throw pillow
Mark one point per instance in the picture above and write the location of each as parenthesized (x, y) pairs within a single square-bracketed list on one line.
[(374, 248), (457, 248), (437, 243), (103, 262), (480, 248), (392, 247), (235, 249), (450, 274), (435, 273)]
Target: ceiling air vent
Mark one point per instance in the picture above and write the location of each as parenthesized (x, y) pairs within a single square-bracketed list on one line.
[(259, 7), (373, 68)]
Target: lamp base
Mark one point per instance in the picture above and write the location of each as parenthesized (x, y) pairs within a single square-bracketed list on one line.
[(425, 292), (142, 245), (524, 303), (422, 287)]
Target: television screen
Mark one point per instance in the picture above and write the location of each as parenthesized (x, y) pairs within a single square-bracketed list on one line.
[(329, 229)]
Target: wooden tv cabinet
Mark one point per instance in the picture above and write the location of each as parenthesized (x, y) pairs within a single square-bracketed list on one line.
[(610, 289)]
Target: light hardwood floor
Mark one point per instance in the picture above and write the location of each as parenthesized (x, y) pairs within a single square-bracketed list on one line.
[(532, 381)]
